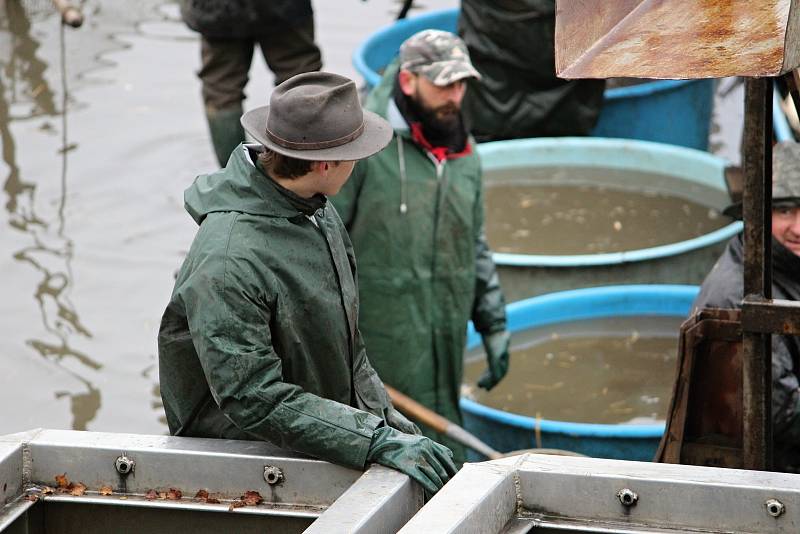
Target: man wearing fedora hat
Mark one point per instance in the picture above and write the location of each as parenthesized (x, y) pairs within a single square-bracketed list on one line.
[(415, 215), (260, 338), (723, 288)]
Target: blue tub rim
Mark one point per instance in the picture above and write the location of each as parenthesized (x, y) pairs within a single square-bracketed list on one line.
[(595, 302), (582, 145), (425, 20)]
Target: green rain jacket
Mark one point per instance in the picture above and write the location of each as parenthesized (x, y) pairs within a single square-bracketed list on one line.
[(424, 265), (260, 338)]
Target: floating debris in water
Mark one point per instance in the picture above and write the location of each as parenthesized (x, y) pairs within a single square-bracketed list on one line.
[(545, 387), (576, 219)]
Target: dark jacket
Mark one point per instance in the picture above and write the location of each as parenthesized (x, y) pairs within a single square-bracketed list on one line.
[(425, 268), (240, 19), (511, 43), (723, 288), (260, 338)]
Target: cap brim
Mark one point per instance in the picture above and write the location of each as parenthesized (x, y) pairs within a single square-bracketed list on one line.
[(735, 210), (376, 136), (466, 71)]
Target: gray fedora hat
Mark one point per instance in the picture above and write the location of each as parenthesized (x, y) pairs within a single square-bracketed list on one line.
[(317, 116)]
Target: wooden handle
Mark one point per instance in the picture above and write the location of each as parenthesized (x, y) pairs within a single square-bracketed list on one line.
[(429, 418), (416, 411)]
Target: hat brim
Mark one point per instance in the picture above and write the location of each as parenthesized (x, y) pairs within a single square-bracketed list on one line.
[(376, 136)]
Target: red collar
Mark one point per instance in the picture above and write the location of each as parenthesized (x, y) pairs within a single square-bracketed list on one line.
[(441, 153)]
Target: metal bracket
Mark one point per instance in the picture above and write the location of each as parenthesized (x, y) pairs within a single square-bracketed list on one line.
[(770, 316)]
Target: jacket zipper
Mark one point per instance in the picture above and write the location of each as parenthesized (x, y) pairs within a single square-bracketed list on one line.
[(441, 188)]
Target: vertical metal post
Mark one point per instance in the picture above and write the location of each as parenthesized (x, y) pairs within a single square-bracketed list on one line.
[(757, 214)]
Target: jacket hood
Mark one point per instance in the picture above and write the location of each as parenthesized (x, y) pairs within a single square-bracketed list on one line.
[(379, 98), (239, 187)]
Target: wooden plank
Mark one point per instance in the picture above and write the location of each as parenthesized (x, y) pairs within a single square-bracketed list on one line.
[(676, 38)]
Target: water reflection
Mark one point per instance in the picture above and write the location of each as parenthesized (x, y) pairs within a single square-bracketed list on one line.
[(156, 404), (92, 200), (51, 250)]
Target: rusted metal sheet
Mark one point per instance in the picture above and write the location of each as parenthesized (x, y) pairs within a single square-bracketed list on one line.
[(705, 418), (676, 38)]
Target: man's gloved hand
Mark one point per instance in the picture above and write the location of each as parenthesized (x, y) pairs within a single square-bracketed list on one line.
[(421, 458), (496, 347)]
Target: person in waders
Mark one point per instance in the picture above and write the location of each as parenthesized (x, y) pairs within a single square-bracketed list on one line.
[(260, 339), (723, 288), (229, 32), (415, 215)]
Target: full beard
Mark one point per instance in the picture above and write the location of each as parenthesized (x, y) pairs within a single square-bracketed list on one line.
[(443, 125), (440, 121)]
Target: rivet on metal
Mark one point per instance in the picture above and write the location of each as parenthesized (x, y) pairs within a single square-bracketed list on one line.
[(627, 497), (273, 475), (124, 465), (775, 507)]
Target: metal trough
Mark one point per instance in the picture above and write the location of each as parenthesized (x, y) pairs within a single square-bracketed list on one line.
[(677, 112), (549, 494), (131, 481), (688, 173)]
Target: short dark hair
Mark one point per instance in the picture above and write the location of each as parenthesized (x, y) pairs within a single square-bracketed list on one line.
[(283, 166)]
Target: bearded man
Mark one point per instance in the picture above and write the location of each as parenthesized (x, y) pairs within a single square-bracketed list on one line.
[(414, 213)]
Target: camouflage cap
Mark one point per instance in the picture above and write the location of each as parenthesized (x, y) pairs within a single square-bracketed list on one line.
[(440, 56), (786, 173)]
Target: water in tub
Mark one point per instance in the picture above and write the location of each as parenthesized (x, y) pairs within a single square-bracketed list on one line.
[(610, 370), (566, 211)]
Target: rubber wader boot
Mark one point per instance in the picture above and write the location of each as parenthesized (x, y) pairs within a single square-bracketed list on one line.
[(226, 131)]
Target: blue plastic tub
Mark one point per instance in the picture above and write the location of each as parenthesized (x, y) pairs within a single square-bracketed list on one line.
[(677, 112), (507, 432), (687, 173)]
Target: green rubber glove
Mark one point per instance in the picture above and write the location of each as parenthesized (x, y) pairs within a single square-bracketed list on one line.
[(496, 346), (421, 458)]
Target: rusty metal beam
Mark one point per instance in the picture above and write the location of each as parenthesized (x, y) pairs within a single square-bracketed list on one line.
[(757, 194), (771, 316), (757, 202)]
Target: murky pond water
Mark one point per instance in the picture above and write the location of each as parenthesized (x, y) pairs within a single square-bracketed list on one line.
[(613, 370), (563, 211), (102, 129)]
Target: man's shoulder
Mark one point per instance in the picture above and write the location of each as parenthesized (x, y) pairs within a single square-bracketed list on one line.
[(233, 246), (233, 233), (723, 287)]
